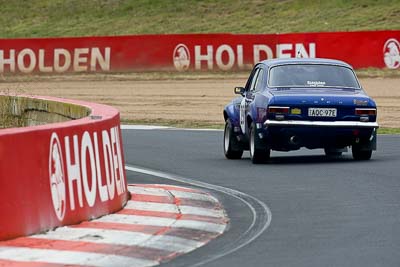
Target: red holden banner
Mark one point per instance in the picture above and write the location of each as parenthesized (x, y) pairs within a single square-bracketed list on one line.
[(380, 49), (62, 173)]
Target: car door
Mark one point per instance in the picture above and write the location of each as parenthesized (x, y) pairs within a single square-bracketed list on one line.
[(248, 98)]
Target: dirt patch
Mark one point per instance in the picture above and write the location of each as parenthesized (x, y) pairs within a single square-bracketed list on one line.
[(386, 93), (187, 102)]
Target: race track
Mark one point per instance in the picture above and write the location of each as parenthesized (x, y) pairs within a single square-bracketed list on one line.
[(325, 212)]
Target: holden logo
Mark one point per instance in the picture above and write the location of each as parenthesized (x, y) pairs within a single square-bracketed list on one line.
[(181, 57), (391, 52), (56, 173)]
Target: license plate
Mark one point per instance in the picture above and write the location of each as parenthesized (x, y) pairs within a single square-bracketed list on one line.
[(322, 112)]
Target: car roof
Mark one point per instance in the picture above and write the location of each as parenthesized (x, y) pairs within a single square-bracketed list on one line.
[(284, 61)]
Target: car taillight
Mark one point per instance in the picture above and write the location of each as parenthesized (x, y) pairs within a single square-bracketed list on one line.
[(365, 111), (279, 110)]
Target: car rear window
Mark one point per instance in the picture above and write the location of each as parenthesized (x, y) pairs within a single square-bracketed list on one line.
[(312, 75)]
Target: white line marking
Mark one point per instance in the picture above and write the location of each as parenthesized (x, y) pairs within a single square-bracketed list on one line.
[(163, 222), (149, 206), (196, 129), (163, 207), (179, 194), (117, 237), (202, 211), (69, 257), (148, 191), (156, 127), (199, 225), (143, 127), (172, 187), (194, 196), (262, 215)]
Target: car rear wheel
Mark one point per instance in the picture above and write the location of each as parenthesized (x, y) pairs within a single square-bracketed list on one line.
[(359, 154), (259, 151), (232, 148)]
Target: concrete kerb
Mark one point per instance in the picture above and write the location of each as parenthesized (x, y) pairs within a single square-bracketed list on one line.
[(159, 222), (67, 181)]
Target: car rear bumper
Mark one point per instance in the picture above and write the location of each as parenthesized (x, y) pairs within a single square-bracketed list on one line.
[(335, 124), (318, 134)]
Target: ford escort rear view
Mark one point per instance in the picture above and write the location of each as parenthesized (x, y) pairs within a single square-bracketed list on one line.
[(292, 103)]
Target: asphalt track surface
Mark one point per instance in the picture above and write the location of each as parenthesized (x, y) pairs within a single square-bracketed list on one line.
[(325, 212)]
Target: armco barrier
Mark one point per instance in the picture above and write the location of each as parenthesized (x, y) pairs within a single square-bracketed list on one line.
[(61, 173), (380, 49)]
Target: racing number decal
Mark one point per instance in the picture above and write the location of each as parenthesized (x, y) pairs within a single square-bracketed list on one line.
[(247, 99), (243, 115)]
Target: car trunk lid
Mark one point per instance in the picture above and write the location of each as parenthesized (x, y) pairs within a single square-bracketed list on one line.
[(320, 104)]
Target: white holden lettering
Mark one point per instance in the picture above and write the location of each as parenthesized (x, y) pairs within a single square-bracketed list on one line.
[(80, 57), (42, 67), (265, 49), (301, 51), (61, 55), (284, 50), (103, 192), (98, 58), (226, 57), (231, 57), (117, 167), (108, 164), (21, 60), (120, 163), (87, 149), (57, 60), (74, 172), (85, 165), (203, 57), (7, 61)]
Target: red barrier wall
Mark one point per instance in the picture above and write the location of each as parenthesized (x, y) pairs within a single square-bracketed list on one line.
[(194, 51), (62, 173)]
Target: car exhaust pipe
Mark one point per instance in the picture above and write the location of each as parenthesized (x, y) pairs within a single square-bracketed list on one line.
[(294, 140)]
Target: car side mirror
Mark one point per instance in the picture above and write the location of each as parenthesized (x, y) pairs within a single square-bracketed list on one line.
[(239, 90)]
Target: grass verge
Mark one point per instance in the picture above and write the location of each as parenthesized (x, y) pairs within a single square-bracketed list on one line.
[(9, 115), (48, 18), (378, 73), (389, 131)]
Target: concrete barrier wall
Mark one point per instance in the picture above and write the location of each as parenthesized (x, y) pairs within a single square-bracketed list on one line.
[(18, 111), (61, 173)]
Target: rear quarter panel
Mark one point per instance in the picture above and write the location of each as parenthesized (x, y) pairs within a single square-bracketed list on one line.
[(232, 111)]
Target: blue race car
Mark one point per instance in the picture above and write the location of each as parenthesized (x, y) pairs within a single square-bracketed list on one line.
[(292, 103)]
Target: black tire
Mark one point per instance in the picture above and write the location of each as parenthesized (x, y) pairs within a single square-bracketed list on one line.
[(332, 153), (259, 151), (232, 148), (359, 154)]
